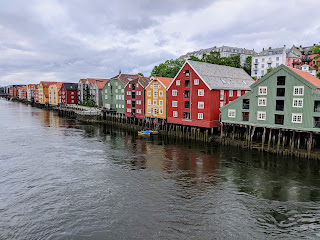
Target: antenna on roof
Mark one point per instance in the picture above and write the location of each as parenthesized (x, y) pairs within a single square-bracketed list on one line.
[(119, 72)]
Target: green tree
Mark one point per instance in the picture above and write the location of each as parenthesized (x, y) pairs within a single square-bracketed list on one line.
[(226, 61), (269, 70), (316, 50), (194, 58), (212, 57), (247, 65), (236, 60), (169, 68), (87, 94), (141, 74)]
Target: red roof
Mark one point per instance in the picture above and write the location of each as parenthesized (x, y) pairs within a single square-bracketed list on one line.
[(165, 81), (47, 84), (101, 83), (307, 76)]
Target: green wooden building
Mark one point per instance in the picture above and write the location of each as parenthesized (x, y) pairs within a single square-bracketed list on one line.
[(286, 98), (113, 93)]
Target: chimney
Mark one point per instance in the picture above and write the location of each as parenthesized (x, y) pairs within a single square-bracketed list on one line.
[(300, 45), (262, 49), (269, 47)]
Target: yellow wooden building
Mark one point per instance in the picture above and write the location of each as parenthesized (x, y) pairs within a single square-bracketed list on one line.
[(156, 97), (43, 92), (54, 94)]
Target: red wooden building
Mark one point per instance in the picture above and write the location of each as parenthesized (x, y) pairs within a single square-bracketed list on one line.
[(69, 93), (200, 89), (135, 97)]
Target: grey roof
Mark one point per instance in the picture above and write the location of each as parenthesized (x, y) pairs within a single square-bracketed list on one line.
[(71, 86), (222, 77), (265, 52)]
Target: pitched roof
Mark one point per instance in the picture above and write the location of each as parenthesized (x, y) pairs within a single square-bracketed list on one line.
[(307, 76), (265, 52), (71, 86), (144, 81), (165, 81), (125, 78), (101, 83), (222, 77), (58, 85), (47, 84)]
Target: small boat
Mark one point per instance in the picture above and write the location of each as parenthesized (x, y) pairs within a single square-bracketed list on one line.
[(147, 133)]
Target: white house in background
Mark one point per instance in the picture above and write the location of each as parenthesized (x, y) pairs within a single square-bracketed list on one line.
[(268, 58), (309, 69)]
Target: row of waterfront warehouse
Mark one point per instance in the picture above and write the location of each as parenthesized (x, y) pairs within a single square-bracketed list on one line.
[(201, 94)]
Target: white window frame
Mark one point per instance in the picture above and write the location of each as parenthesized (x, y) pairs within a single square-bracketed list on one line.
[(230, 93), (196, 82), (128, 110), (297, 100), (155, 111), (261, 92), (295, 117), (149, 93), (149, 110), (221, 104), (200, 115), (174, 103), (160, 111), (160, 93), (149, 101), (200, 92), (262, 102), (231, 113), (139, 111), (178, 83), (128, 101), (155, 102), (221, 94), (298, 88), (260, 115), (174, 92), (160, 102), (200, 105), (238, 93), (175, 113)]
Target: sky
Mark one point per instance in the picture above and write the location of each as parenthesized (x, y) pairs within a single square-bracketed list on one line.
[(59, 40)]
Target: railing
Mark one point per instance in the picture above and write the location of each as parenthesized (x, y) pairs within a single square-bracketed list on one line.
[(245, 118), (245, 106), (316, 124), (317, 109), (279, 107), (278, 121)]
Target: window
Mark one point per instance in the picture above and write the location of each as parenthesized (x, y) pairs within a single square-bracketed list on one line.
[(196, 82), (200, 92), (200, 115), (116, 97), (72, 101), (174, 92), (128, 101), (238, 93), (221, 94), (149, 110), (160, 102), (128, 109), (116, 83), (116, 90), (160, 93), (262, 90), (122, 106), (154, 102), (187, 84), (298, 90), (281, 80), (161, 111), (277, 58), (277, 64), (221, 104), (122, 97), (262, 102), (149, 101), (122, 90), (297, 102), (201, 105), (186, 115), (256, 60), (178, 82), (155, 111), (262, 59), (155, 86), (261, 115), (128, 92), (187, 73), (262, 72), (175, 114), (186, 104), (72, 93), (129, 85), (138, 110), (230, 93), (155, 93), (149, 93), (174, 103), (116, 105), (231, 113), (297, 118), (72, 97)]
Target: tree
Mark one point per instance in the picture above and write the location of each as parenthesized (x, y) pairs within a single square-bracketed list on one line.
[(141, 74), (87, 94), (226, 61), (247, 65), (212, 57), (269, 70), (169, 68), (194, 58), (316, 50), (236, 60)]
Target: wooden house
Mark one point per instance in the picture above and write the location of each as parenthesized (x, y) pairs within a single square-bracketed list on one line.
[(43, 92), (68, 93), (135, 97), (286, 98), (113, 95), (55, 94), (156, 97), (200, 89)]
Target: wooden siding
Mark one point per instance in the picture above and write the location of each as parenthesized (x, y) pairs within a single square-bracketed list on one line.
[(151, 98), (113, 96)]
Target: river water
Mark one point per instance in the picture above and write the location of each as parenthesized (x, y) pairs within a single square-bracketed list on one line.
[(63, 179)]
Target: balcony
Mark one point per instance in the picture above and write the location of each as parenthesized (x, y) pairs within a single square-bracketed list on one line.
[(187, 84), (186, 104), (269, 61), (281, 92), (280, 105), (187, 94), (256, 63), (317, 106)]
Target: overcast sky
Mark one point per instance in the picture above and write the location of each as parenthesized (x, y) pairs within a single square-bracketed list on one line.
[(65, 40)]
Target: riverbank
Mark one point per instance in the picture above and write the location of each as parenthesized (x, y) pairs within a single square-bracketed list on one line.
[(253, 140)]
